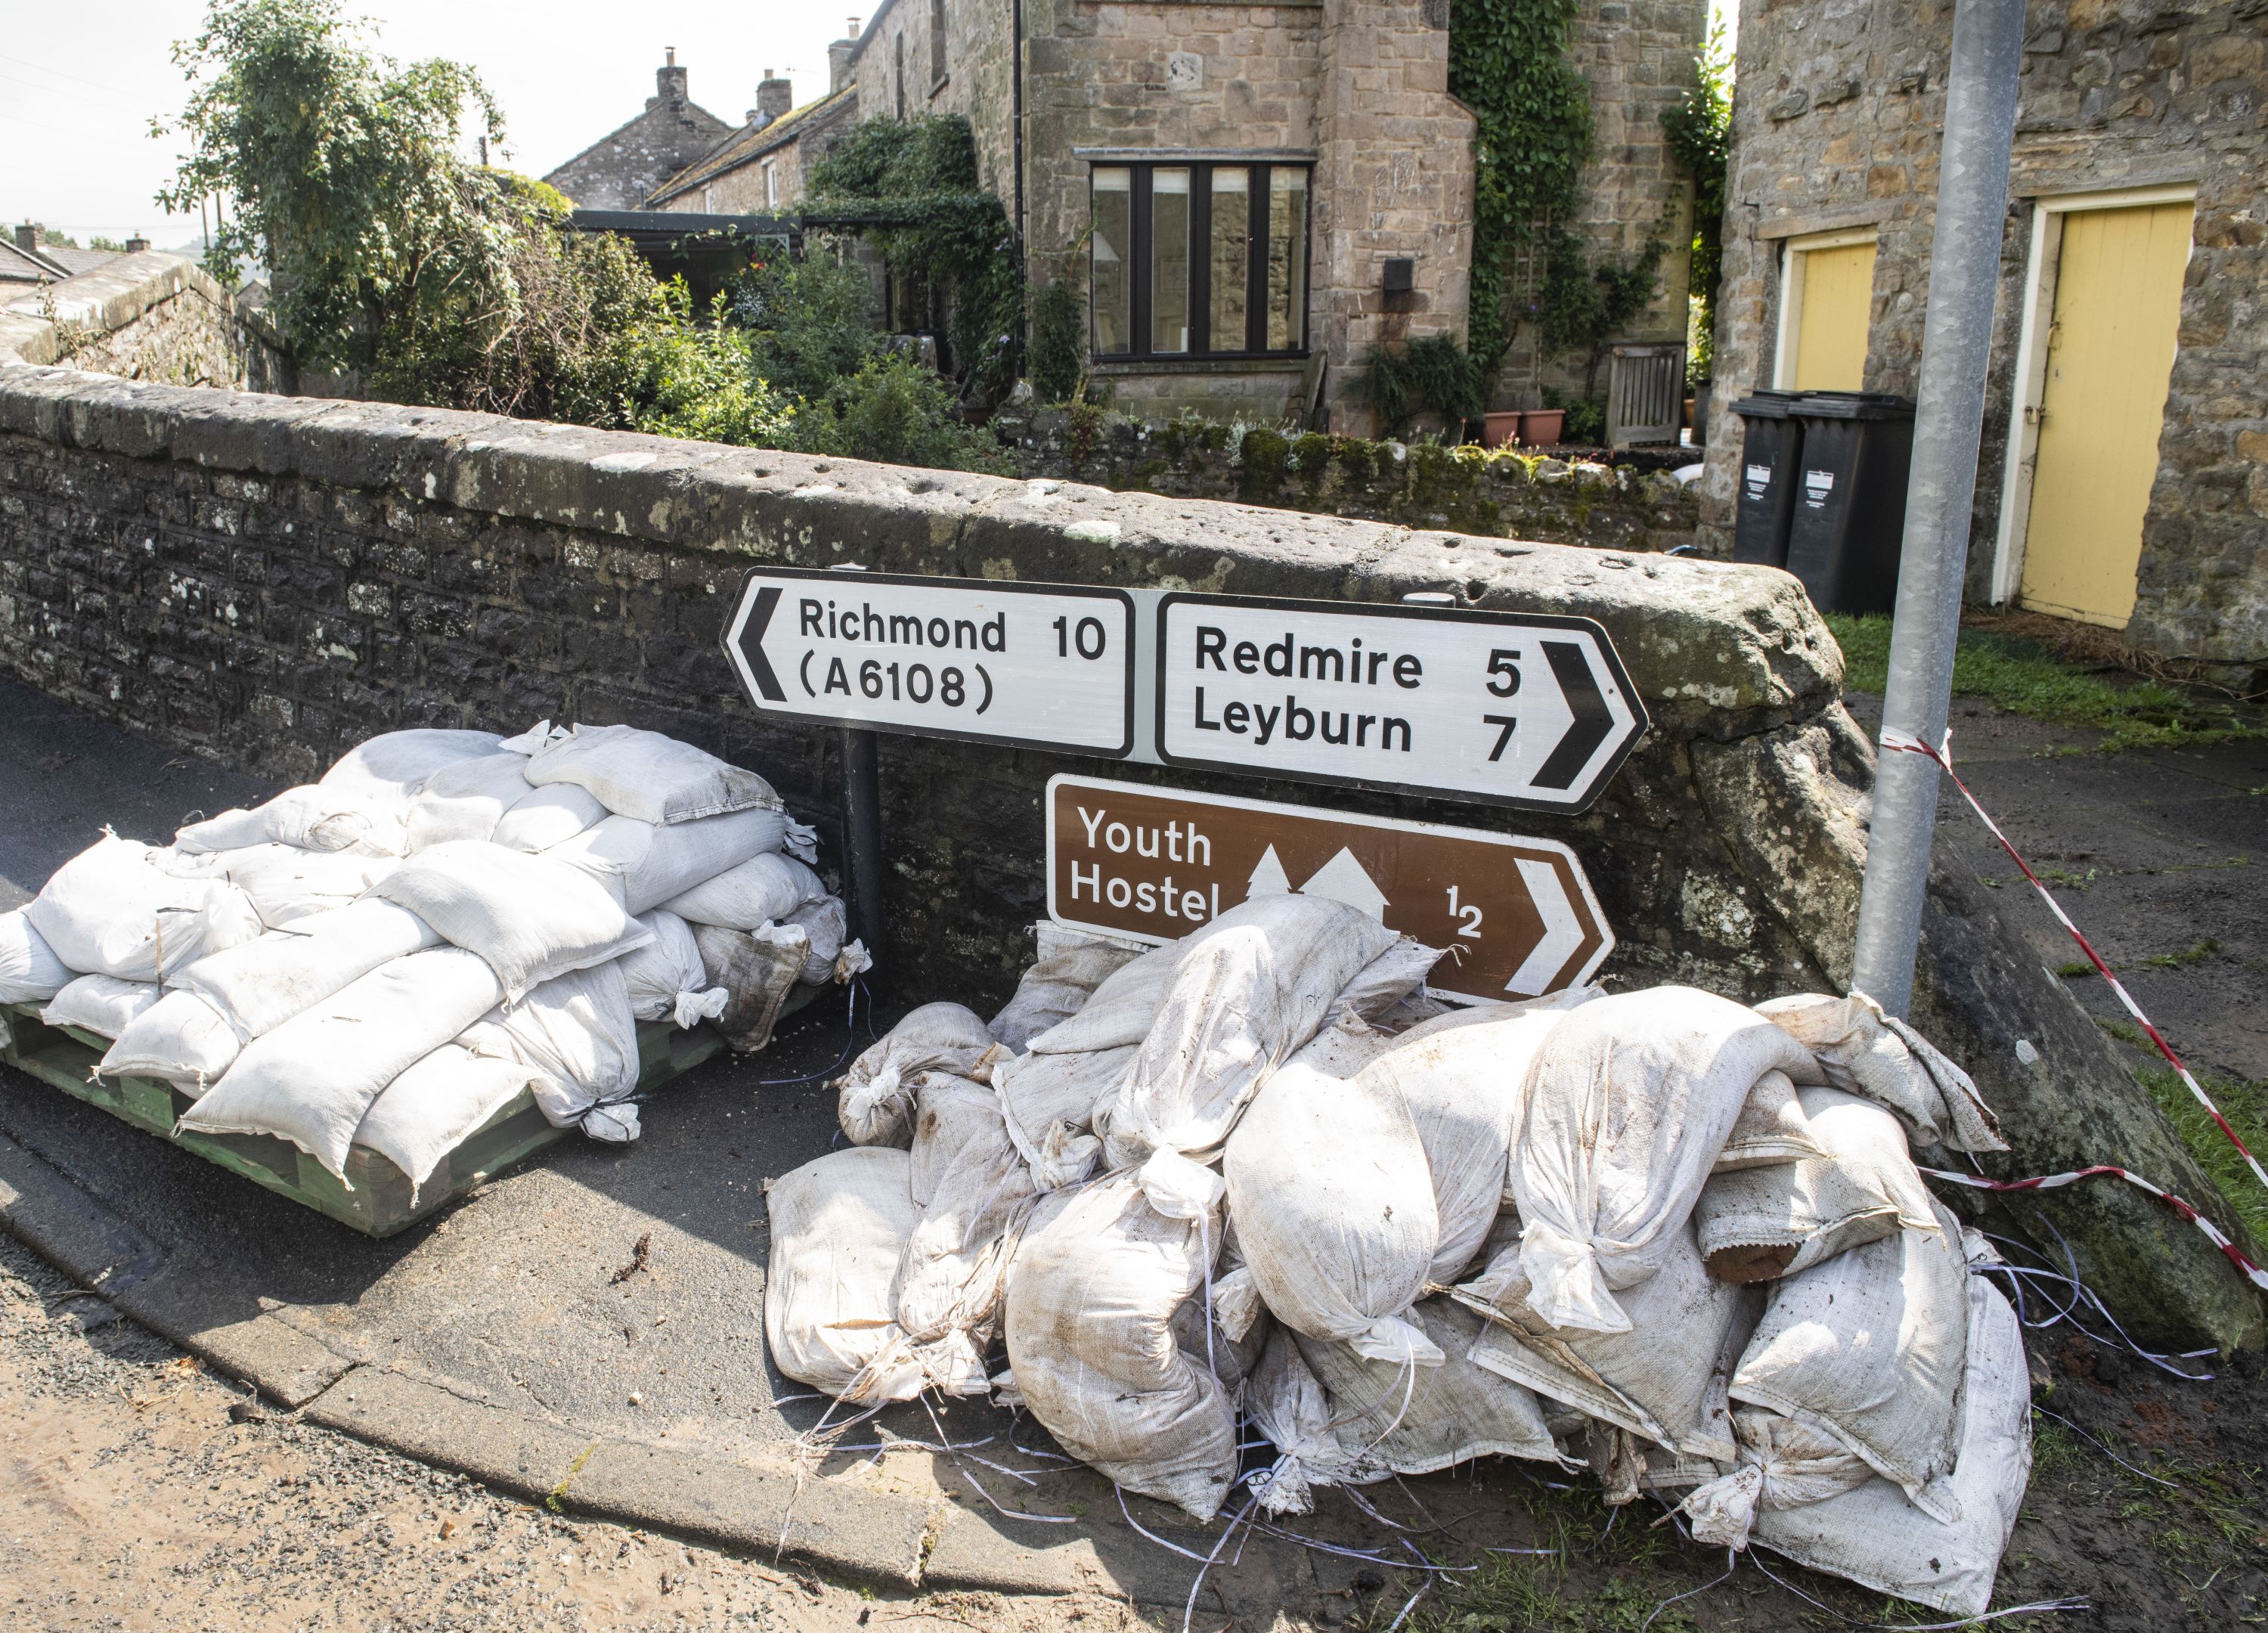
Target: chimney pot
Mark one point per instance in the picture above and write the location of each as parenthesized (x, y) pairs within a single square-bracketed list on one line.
[(668, 82)]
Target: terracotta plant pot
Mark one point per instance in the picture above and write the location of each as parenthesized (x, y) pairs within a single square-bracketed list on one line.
[(1497, 430), (1540, 428)]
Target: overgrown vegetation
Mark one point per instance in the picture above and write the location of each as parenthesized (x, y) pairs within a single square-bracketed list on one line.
[(1057, 363), (1433, 374), (1700, 133), (2025, 677), (2245, 1104)]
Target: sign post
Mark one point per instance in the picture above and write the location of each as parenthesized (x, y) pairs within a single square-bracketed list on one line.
[(1154, 863)]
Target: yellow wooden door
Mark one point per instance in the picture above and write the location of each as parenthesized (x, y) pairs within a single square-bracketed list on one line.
[(2110, 352), (1833, 317)]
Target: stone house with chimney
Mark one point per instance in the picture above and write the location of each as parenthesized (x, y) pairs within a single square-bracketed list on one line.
[(1252, 193), (2124, 478), (758, 170), (621, 168)]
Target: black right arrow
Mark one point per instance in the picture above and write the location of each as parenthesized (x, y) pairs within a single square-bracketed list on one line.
[(1592, 718), (752, 644)]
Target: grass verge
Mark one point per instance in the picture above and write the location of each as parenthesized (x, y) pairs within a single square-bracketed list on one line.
[(2026, 678), (2245, 1104)]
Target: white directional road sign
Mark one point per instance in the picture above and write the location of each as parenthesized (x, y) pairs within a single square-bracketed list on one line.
[(1526, 710), (1038, 666)]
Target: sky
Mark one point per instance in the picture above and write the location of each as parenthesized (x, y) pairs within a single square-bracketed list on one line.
[(79, 90), (76, 98)]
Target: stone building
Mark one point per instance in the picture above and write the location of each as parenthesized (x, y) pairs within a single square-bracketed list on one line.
[(2124, 472), (621, 168), (759, 169), (1252, 195), (29, 257)]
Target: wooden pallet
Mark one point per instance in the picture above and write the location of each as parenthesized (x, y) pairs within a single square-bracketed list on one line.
[(379, 1203)]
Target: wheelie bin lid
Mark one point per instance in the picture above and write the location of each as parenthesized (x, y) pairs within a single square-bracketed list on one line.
[(1768, 405), (1854, 405)]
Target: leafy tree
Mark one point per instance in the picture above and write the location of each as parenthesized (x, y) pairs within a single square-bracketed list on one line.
[(812, 321)]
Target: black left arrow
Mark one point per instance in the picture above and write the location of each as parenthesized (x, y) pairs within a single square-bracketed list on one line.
[(1592, 718), (752, 643)]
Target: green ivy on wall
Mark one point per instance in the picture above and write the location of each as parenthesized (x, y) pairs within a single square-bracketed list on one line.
[(1700, 134)]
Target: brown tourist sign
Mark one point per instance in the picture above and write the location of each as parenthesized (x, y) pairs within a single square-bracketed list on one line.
[(1154, 863)]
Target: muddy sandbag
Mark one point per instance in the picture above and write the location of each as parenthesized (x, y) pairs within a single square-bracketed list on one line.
[(874, 1099), (1868, 1347), (1783, 1464), (434, 1105), (1050, 1100), (30, 971), (1772, 1128), (1244, 993), (756, 970), (1874, 1537), (388, 768), (826, 922), (577, 1036), (312, 1079), (531, 918), (1288, 1403), (464, 800), (643, 864), (839, 1225), (973, 1189), (543, 817), (1091, 1299), (1626, 1108), (103, 1005), (113, 911), (1071, 965), (259, 986), (1120, 1013), (1664, 1377), (1417, 1420), (763, 890), (1763, 1223), (1860, 1050), (666, 978), (181, 1039), (645, 774)]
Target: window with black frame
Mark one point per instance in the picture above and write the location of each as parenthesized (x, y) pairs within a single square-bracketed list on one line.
[(1199, 259)]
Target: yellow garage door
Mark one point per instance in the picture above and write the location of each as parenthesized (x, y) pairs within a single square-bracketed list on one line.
[(1833, 310), (2111, 351)]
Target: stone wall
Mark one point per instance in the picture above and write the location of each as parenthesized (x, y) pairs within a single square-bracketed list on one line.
[(149, 316), (265, 580), (1500, 493), (1836, 125)]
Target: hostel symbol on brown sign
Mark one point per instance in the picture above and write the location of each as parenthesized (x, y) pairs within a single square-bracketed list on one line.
[(1154, 864)]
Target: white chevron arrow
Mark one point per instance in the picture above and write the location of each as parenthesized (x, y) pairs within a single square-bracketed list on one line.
[(1562, 931)]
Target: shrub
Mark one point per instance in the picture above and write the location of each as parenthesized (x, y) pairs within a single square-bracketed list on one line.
[(1058, 352), (899, 411)]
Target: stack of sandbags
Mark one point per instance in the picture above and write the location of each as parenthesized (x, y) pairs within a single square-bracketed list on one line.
[(389, 956), (1677, 1239)]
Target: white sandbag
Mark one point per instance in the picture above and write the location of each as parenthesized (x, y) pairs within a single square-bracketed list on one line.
[(645, 774), (1860, 1050), (839, 1225), (1770, 1128), (666, 978), (1664, 1377), (576, 1034), (181, 1039), (112, 910), (30, 971), (259, 986), (287, 884), (1419, 1419), (386, 769), (1783, 1464), (1091, 1299), (1120, 1013), (312, 1079), (763, 890), (1760, 1223), (1874, 1537), (645, 866), (756, 970), (1050, 1099), (1868, 1347), (1627, 1106), (313, 818), (1245, 992), (433, 1107), (465, 801), (1334, 1208), (827, 923), (1288, 1403), (1071, 965), (531, 918), (1387, 979), (102, 1004), (543, 817), (874, 1099), (972, 1189)]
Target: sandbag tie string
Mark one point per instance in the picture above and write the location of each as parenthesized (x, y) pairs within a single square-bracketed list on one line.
[(1902, 742), (2214, 1233)]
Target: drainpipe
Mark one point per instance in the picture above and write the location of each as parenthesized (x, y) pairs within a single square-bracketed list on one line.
[(1016, 146), (1964, 268)]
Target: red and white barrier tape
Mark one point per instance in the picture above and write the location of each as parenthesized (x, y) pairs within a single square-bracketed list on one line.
[(2234, 1254), (1902, 742)]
